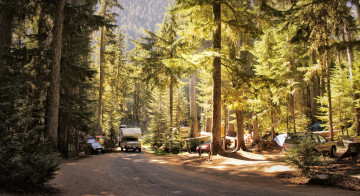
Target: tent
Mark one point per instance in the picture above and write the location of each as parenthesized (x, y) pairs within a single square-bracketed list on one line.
[(316, 127)]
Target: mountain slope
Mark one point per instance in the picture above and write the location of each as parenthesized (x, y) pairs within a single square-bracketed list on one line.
[(140, 14)]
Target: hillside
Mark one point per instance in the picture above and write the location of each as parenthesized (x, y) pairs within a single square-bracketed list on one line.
[(140, 14)]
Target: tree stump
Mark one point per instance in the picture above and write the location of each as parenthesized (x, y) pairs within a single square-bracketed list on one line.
[(353, 151)]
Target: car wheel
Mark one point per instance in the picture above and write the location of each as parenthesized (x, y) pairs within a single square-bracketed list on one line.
[(333, 151), (122, 149), (103, 151), (139, 149), (96, 152), (126, 149)]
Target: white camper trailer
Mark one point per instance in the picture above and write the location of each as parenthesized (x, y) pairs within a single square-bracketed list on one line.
[(129, 139)]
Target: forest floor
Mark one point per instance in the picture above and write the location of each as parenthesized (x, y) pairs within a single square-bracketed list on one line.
[(266, 169), (250, 166)]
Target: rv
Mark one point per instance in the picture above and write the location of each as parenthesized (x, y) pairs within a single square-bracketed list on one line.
[(129, 139)]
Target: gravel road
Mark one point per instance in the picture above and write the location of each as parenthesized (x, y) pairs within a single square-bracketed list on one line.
[(133, 173)]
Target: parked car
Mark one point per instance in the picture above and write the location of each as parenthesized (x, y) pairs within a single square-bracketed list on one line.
[(205, 147), (322, 144), (94, 147)]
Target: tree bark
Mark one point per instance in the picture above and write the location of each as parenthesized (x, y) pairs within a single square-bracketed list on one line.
[(216, 132), (193, 108), (329, 95), (256, 130), (240, 131), (6, 24), (54, 89), (208, 127), (171, 94), (231, 125), (292, 97), (226, 125), (272, 116)]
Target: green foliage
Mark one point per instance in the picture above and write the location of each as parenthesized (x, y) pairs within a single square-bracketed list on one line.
[(26, 162), (304, 157)]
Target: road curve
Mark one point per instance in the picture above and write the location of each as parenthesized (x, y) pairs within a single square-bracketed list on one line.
[(133, 173)]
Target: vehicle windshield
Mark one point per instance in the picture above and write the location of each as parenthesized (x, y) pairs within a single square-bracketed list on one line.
[(96, 145), (130, 139)]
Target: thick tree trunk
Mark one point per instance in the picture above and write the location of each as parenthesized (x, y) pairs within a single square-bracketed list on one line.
[(240, 131), (54, 89), (193, 108), (216, 132)]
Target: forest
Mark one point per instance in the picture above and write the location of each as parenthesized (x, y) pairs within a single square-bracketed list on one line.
[(219, 66)]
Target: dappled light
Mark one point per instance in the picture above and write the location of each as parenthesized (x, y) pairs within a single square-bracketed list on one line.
[(134, 97)]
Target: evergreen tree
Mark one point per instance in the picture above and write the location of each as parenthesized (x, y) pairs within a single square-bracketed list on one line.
[(52, 108), (106, 37)]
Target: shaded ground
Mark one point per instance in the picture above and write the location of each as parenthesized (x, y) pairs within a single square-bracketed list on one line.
[(128, 173), (270, 167), (247, 173), (342, 174)]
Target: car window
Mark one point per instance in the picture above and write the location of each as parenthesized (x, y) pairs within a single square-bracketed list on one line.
[(321, 138), (315, 137)]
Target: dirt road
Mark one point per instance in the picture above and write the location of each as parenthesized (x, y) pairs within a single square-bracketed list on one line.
[(146, 174)]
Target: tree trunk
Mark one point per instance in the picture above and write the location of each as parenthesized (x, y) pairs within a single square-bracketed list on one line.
[(6, 24), (231, 125), (292, 97), (6, 20), (240, 131), (171, 94), (101, 85), (329, 95), (208, 128), (272, 119), (287, 114), (356, 95), (54, 89), (216, 132), (256, 130), (193, 108), (226, 125)]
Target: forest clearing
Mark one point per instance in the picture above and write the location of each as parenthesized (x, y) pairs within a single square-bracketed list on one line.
[(250, 70)]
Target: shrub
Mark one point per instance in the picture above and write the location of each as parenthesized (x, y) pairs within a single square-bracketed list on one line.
[(26, 163), (304, 156)]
